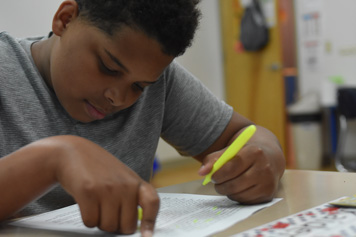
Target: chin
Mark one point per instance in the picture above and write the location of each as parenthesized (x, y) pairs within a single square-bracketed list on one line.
[(82, 120)]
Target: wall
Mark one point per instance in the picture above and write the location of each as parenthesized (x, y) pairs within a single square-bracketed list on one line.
[(24, 18), (326, 42)]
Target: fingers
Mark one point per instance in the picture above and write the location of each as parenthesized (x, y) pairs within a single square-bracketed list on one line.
[(110, 215), (90, 213), (117, 211), (208, 162), (119, 216), (149, 201), (249, 188), (244, 160), (128, 217), (107, 191), (248, 178)]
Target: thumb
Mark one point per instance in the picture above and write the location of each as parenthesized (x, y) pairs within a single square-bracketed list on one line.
[(208, 162)]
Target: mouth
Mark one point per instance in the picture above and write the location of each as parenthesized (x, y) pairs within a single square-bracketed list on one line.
[(93, 112)]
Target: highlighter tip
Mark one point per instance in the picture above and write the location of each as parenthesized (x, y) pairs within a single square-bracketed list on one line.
[(139, 213), (206, 180)]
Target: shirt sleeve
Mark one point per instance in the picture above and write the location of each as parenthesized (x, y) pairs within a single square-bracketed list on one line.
[(194, 118)]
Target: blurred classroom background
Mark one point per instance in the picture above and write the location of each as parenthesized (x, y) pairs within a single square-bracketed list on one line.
[(291, 85)]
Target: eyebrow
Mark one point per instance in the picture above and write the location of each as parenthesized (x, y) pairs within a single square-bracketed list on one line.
[(117, 61)]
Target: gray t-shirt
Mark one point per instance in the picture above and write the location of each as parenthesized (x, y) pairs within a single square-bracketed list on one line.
[(179, 108)]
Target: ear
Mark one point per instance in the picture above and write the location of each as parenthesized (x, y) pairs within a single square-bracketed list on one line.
[(67, 12)]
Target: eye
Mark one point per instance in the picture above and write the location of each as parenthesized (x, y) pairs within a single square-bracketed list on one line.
[(138, 86), (106, 69)]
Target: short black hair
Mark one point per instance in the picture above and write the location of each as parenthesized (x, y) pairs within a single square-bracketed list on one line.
[(171, 22)]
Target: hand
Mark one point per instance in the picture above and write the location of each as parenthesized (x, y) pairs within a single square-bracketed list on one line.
[(252, 176), (107, 191)]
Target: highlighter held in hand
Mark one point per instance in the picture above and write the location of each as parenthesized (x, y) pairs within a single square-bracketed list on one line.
[(231, 151)]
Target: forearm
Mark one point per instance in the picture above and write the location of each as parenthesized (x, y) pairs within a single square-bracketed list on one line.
[(24, 175)]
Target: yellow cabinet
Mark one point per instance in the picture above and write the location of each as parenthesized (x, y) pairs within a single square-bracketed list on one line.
[(254, 81)]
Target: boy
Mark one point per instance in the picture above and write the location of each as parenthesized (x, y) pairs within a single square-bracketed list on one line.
[(83, 109)]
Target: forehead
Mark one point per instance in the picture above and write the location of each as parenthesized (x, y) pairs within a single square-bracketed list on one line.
[(141, 54), (137, 50)]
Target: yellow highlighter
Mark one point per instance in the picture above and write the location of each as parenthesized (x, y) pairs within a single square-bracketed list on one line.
[(231, 151), (139, 213)]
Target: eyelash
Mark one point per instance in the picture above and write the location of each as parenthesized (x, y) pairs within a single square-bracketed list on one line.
[(107, 70), (138, 86)]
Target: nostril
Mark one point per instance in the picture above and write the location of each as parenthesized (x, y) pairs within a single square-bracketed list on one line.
[(111, 101), (110, 96), (116, 96)]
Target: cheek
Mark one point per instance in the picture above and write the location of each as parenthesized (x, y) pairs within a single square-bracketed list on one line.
[(137, 94), (132, 97), (75, 73), (62, 70), (135, 97)]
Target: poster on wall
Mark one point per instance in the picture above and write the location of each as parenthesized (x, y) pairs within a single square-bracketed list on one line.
[(340, 50), (311, 29)]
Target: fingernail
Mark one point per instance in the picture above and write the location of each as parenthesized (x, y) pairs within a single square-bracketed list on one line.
[(147, 233), (201, 170)]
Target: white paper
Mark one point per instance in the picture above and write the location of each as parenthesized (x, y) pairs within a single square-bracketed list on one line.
[(179, 215)]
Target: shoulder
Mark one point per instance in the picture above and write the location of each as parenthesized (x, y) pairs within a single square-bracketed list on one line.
[(9, 43), (5, 36), (177, 77), (9, 46), (175, 70), (6, 41)]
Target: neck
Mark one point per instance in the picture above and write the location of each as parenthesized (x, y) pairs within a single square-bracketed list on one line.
[(41, 53)]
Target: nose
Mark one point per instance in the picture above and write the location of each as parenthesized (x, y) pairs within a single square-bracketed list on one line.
[(116, 97)]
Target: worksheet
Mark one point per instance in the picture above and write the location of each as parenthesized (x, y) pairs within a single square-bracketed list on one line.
[(179, 215), (326, 220)]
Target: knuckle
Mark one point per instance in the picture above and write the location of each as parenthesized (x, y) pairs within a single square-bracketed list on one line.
[(153, 201), (257, 151), (88, 187), (151, 196), (109, 187), (265, 169)]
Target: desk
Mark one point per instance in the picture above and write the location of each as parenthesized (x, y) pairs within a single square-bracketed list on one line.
[(299, 189)]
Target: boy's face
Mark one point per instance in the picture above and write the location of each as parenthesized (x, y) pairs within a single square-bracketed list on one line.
[(94, 75)]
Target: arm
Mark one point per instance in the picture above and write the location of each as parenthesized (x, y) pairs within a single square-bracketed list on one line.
[(94, 177), (253, 175)]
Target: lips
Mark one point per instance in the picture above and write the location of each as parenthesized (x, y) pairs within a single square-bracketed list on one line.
[(94, 112)]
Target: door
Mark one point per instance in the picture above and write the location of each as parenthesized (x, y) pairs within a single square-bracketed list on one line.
[(254, 81)]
